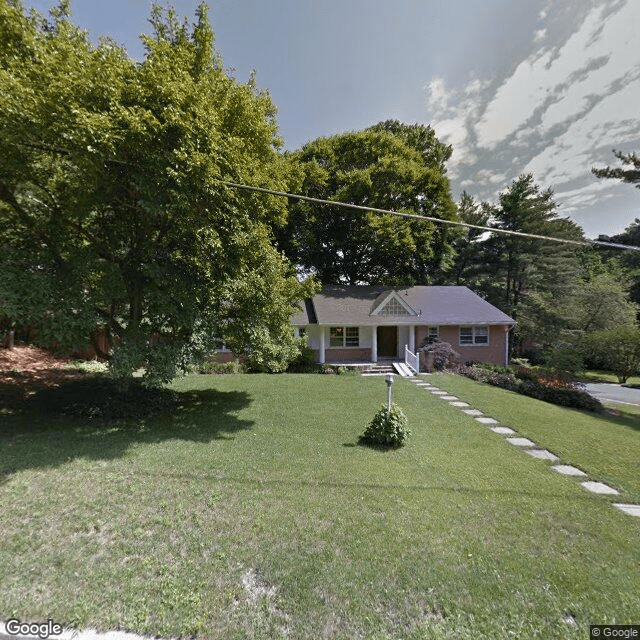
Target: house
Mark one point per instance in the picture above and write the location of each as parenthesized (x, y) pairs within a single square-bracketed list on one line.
[(366, 324)]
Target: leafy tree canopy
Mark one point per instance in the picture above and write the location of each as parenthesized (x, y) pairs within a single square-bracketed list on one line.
[(391, 166), (616, 350), (111, 210)]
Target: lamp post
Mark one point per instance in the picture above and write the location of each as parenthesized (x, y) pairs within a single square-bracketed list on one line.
[(389, 381)]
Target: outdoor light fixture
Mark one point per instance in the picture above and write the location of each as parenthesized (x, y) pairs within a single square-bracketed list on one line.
[(389, 380)]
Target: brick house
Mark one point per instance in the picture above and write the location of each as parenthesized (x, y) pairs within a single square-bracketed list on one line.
[(366, 324)]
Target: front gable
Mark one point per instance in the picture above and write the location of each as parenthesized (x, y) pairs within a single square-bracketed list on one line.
[(392, 305)]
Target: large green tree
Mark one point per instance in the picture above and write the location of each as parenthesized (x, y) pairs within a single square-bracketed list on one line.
[(616, 350), (112, 212), (391, 166), (469, 264), (526, 277), (629, 261)]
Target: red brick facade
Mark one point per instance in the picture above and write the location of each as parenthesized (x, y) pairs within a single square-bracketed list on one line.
[(494, 352), (334, 354)]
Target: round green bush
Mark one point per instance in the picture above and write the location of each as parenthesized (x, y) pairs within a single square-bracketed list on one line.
[(387, 429)]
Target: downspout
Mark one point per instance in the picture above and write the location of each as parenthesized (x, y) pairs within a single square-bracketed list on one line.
[(507, 329)]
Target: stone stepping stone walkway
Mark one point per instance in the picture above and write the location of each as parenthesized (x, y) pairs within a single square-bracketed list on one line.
[(521, 442), (530, 447), (631, 509), (568, 470), (503, 431), (542, 454), (599, 487)]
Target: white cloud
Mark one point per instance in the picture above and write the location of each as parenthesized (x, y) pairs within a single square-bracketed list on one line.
[(552, 73), (454, 112), (573, 199), (539, 35), (561, 111)]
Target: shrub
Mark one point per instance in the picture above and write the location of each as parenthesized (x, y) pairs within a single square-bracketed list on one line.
[(348, 371), (444, 355), (305, 362), (565, 359), (548, 387), (564, 397), (387, 429), (86, 366), (210, 365), (616, 350)]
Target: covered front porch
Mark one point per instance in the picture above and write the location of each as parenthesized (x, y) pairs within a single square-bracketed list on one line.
[(360, 344)]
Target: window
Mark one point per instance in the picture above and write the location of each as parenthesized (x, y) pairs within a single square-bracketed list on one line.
[(352, 337), (301, 332), (433, 334), (474, 335), (344, 337), (336, 336), (393, 308)]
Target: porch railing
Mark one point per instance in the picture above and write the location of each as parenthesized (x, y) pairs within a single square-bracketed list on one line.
[(411, 359)]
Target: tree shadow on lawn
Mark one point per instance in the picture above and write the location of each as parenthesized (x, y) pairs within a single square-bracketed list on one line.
[(32, 438), (621, 417)]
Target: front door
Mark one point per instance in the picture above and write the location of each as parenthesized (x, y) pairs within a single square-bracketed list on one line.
[(387, 342)]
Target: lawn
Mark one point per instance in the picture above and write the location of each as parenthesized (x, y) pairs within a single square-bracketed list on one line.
[(607, 376), (251, 513), (606, 447)]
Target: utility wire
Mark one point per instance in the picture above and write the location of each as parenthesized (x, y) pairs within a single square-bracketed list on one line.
[(346, 205)]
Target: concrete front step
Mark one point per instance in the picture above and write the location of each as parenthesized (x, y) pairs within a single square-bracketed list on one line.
[(378, 369)]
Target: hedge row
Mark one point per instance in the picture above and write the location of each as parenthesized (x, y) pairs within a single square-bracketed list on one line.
[(563, 393)]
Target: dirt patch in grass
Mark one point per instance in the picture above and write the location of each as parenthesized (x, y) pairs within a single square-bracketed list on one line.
[(26, 369)]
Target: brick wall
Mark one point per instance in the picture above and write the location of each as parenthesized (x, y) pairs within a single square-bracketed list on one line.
[(348, 355), (493, 352)]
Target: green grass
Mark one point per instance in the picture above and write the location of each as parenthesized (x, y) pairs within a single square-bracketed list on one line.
[(607, 446), (607, 376), (250, 513)]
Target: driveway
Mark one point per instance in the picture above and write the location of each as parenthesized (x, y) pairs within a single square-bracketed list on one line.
[(613, 392)]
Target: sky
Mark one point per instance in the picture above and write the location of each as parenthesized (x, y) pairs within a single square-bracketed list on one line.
[(549, 87)]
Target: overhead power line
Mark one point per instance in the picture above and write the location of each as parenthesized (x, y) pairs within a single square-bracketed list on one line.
[(347, 205)]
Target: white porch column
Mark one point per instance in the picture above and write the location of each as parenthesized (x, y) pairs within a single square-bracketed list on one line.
[(374, 344), (412, 338), (321, 354)]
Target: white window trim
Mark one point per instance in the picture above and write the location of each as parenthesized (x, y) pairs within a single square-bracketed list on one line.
[(344, 336), (473, 336)]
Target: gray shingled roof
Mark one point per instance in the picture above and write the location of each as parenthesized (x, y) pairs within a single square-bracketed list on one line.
[(338, 305)]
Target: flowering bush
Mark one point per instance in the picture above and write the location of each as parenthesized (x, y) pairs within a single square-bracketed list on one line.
[(444, 355)]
